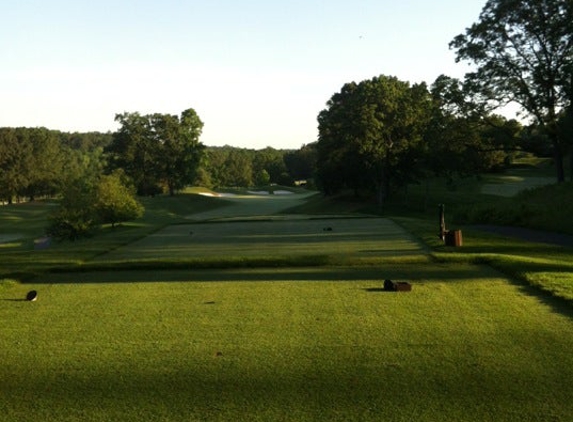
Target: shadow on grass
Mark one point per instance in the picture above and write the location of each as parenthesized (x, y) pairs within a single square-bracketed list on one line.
[(426, 272), (557, 304), (298, 392)]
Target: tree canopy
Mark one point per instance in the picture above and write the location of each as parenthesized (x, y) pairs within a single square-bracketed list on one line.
[(523, 53), (370, 134), (158, 150)]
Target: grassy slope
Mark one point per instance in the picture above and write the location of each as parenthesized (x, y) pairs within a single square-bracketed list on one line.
[(27, 222)]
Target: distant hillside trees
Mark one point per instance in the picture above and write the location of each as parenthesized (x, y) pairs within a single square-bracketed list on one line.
[(301, 164), (37, 162), (241, 167), (31, 162), (158, 150)]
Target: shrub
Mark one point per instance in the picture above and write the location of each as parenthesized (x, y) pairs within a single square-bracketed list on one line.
[(70, 225), (115, 202)]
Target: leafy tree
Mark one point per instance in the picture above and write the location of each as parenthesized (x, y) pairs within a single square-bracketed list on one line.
[(238, 169), (75, 217), (523, 52), (158, 149), (46, 163), (214, 165), (115, 201), (270, 160), (301, 164), (135, 150), (463, 138), (90, 201), (370, 135), (85, 142), (179, 147), (15, 157), (263, 178)]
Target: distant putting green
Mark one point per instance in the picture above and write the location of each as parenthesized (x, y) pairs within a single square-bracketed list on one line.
[(508, 186), (295, 237)]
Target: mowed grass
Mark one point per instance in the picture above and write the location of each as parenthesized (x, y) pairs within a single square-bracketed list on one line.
[(343, 238), (275, 343), (320, 344)]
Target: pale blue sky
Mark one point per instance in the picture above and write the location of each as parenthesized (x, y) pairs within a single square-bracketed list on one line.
[(257, 72)]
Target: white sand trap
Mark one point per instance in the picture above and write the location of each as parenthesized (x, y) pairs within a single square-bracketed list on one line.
[(511, 185)]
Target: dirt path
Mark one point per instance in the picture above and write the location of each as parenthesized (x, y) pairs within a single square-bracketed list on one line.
[(529, 234)]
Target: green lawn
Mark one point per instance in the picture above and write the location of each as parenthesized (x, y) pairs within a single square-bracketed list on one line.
[(285, 344), (473, 341), (344, 237)]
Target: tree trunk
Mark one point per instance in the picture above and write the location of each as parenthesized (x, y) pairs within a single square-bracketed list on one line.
[(557, 155), (381, 195), (571, 164)]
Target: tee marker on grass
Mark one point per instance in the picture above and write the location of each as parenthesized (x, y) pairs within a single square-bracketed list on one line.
[(397, 286)]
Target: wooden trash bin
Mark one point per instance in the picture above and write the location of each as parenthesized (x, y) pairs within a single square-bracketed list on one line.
[(454, 238)]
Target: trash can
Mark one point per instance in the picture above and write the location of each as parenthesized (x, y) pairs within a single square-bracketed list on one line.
[(454, 238)]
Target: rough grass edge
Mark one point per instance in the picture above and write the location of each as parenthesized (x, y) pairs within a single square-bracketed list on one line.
[(522, 269), (239, 262)]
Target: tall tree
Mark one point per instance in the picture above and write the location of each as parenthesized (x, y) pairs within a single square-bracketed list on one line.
[(46, 163), (463, 137), (238, 169), (523, 52), (114, 201), (371, 133), (158, 149), (134, 150), (15, 158), (179, 147), (301, 164)]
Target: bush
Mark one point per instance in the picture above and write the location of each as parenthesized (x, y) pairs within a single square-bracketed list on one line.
[(115, 202), (86, 205), (69, 225)]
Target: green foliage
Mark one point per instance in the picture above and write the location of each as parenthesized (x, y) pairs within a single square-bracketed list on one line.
[(37, 163), (238, 169), (75, 217), (463, 138), (505, 47), (301, 163), (31, 163), (263, 178), (370, 135), (158, 149), (71, 225), (533, 208), (89, 203), (114, 201)]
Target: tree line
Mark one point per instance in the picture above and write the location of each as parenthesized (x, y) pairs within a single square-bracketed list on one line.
[(383, 133), (155, 153), (375, 135), (38, 162)]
